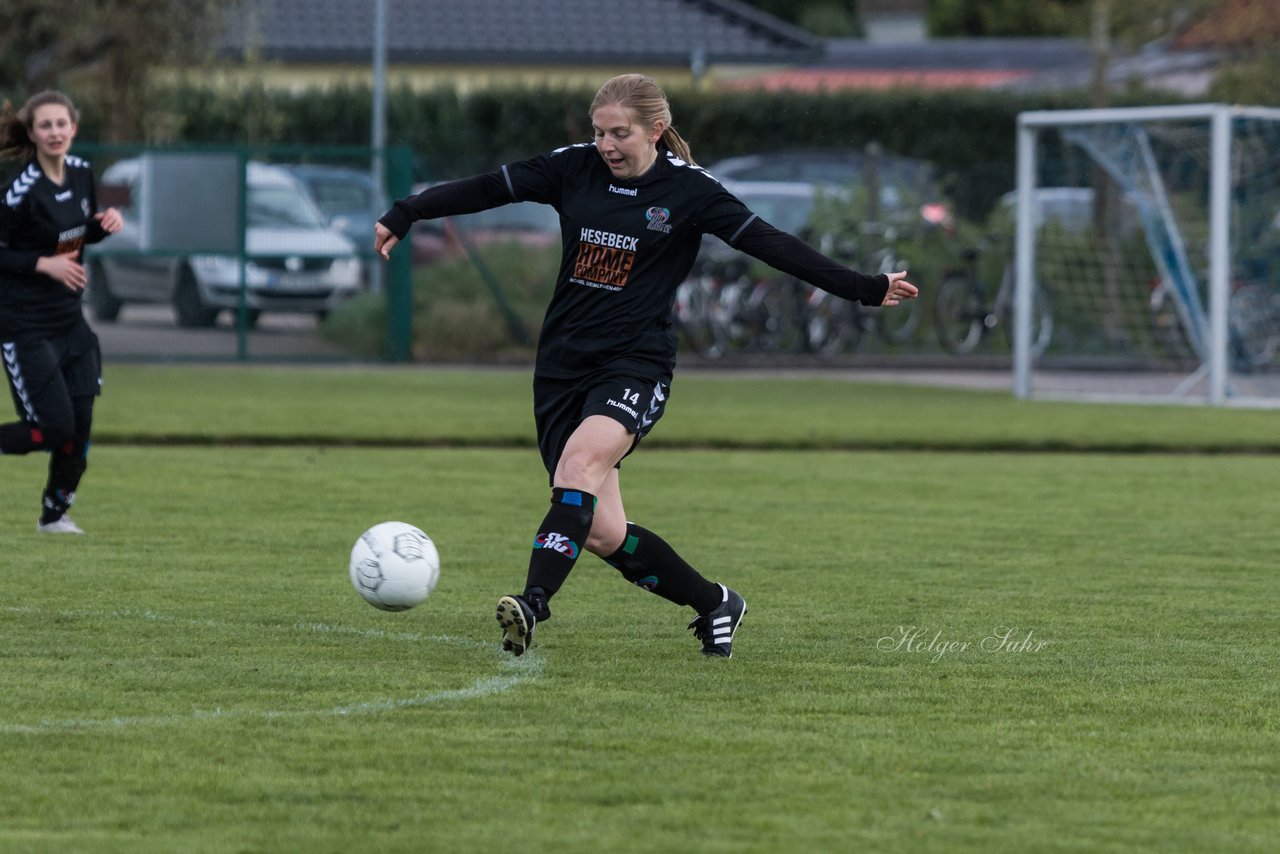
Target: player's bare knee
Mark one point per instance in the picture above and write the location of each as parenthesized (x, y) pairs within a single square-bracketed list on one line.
[(581, 471), (605, 538)]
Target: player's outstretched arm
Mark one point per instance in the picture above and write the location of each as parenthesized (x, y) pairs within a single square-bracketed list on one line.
[(791, 255)]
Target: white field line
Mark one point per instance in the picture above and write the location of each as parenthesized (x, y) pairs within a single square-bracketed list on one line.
[(522, 669)]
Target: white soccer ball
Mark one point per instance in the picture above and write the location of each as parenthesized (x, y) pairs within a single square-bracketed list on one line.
[(394, 566)]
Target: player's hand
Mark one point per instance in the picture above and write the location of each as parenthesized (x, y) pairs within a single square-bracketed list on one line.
[(383, 240), (899, 289), (65, 269), (110, 220)]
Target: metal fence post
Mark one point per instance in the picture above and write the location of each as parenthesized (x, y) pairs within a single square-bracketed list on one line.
[(399, 288)]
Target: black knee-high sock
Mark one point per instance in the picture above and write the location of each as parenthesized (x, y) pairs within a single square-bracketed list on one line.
[(646, 560), (66, 466), (560, 539)]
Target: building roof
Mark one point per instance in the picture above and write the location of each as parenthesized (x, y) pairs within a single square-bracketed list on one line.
[(659, 32), (930, 64), (1187, 72)]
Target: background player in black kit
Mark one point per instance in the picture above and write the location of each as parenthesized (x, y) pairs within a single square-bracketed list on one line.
[(51, 356), (633, 208)]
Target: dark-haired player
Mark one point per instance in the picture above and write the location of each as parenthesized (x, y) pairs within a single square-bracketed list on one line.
[(50, 355)]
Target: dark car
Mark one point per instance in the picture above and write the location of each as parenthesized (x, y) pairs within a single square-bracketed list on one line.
[(906, 185), (527, 223), (350, 199)]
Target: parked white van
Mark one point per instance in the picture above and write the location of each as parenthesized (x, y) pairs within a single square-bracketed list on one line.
[(179, 246)]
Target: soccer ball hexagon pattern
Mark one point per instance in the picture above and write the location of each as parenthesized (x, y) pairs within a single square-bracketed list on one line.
[(394, 566)]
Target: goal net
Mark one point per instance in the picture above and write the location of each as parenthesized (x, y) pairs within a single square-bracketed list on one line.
[(1154, 235)]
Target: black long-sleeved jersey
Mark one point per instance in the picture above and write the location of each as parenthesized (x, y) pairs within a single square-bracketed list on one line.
[(627, 244), (40, 218)]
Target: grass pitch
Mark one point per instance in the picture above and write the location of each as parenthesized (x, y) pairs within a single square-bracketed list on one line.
[(951, 651)]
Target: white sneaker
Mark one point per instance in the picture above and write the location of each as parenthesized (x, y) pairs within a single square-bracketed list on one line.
[(61, 525)]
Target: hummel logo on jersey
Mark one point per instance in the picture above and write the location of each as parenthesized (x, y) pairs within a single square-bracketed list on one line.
[(63, 196), (624, 191), (556, 542), (658, 219)]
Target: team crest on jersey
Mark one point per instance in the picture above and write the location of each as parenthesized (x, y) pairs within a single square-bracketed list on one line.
[(84, 207), (658, 219)]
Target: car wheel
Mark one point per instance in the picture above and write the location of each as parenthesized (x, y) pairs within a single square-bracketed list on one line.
[(187, 304), (104, 305)]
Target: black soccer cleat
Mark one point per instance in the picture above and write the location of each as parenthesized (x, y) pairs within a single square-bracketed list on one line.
[(716, 629), (518, 621)]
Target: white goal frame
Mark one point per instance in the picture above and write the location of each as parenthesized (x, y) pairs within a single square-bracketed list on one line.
[(1215, 365)]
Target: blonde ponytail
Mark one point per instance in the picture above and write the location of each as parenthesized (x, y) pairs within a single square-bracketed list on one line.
[(675, 142)]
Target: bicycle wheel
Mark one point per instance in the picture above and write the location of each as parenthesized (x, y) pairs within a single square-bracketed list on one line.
[(778, 328), (958, 314), (898, 325), (829, 325), (694, 314), (1041, 322), (1255, 333)]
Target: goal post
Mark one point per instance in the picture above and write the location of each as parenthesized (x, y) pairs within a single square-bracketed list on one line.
[(1154, 232)]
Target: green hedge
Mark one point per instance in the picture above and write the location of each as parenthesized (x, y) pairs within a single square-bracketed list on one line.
[(969, 135)]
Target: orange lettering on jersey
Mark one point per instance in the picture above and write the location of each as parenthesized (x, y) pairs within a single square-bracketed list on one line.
[(72, 245), (603, 265)]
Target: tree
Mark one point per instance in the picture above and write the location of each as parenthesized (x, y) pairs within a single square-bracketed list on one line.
[(106, 52), (1007, 18)]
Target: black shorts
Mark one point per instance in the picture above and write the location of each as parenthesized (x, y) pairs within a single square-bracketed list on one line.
[(46, 371), (560, 405)]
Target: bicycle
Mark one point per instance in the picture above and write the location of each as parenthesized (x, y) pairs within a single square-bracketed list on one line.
[(1254, 319), (722, 306), (833, 325), (697, 314), (965, 312)]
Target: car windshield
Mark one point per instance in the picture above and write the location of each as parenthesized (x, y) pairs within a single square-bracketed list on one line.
[(900, 178), (788, 213), (335, 197), (522, 216), (282, 207)]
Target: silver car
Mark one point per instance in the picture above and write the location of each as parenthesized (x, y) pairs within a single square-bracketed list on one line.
[(294, 262)]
